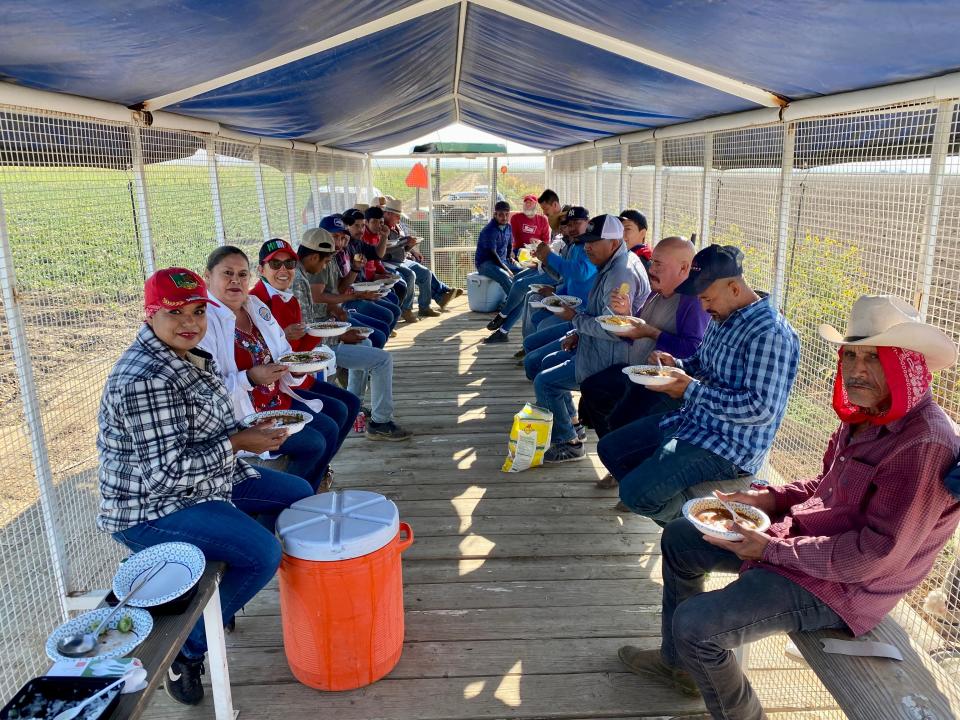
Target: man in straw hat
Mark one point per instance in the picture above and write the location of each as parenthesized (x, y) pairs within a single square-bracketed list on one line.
[(845, 546)]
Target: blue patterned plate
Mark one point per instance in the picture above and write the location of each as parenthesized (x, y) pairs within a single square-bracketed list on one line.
[(181, 564), (113, 643)]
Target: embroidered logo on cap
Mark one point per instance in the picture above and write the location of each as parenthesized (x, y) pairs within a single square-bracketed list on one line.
[(183, 281)]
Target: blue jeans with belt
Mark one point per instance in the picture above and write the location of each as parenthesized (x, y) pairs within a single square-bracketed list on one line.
[(655, 469), (700, 629), (225, 532), (553, 385)]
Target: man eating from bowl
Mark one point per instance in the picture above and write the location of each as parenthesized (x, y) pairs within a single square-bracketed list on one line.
[(845, 546)]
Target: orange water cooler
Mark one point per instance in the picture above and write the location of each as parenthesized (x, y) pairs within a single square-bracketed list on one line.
[(341, 588)]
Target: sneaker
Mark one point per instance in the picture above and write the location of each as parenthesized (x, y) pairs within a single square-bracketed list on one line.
[(409, 317), (327, 481), (497, 337), (182, 682), (497, 321), (428, 312), (393, 333), (581, 431), (230, 627), (520, 354), (458, 291), (650, 664), (388, 431), (622, 507), (446, 298), (564, 452)]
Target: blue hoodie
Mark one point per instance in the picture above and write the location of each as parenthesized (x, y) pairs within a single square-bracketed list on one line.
[(575, 270)]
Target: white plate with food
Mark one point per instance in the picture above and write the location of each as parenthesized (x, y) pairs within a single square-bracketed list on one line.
[(173, 568), (327, 328), (306, 362), (293, 421), (371, 286), (363, 331), (537, 287), (123, 634), (711, 518), (649, 375), (618, 324), (390, 282), (559, 303)]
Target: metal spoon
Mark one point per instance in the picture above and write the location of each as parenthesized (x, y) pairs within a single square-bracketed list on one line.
[(71, 713), (80, 644)]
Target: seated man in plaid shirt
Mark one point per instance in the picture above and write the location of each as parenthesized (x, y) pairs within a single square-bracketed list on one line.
[(734, 390), (844, 546)]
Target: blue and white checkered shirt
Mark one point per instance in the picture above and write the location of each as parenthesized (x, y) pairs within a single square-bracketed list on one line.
[(743, 372)]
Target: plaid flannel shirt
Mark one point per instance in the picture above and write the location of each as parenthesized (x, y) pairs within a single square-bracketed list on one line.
[(743, 372), (163, 438)]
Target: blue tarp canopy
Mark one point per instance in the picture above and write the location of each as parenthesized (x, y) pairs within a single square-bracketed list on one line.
[(545, 74)]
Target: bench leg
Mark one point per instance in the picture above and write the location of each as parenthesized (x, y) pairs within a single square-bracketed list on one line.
[(217, 657)]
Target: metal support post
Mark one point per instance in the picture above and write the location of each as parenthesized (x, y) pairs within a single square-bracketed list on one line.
[(598, 181), (778, 290), (215, 192), (316, 215), (143, 207), (931, 224), (548, 171), (261, 197), (49, 508), (708, 178), (291, 199), (624, 177), (431, 223), (368, 167), (657, 190)]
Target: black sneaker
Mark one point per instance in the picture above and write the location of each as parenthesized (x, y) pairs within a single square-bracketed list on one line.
[(581, 431), (520, 354), (388, 431), (497, 321), (230, 627), (564, 452), (182, 682), (497, 337)]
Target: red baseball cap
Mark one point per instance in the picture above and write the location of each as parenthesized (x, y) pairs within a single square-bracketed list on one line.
[(532, 198), (172, 288), (274, 247)]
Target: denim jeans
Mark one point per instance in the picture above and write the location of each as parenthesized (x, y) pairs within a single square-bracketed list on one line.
[(552, 385), (415, 273), (700, 629), (366, 362), (381, 310), (378, 338), (654, 470), (608, 400), (309, 451), (340, 405), (223, 532), (496, 273), (512, 307), (266, 497), (437, 288)]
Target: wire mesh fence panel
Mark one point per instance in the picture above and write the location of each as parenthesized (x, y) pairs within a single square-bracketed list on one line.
[(639, 178), (524, 176), (178, 193), (273, 166), (610, 181), (461, 208), (236, 174), (682, 185), (566, 177), (75, 247), (745, 193), (588, 181)]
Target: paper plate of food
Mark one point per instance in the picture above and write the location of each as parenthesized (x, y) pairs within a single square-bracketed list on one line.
[(293, 421), (168, 570), (363, 331), (711, 518), (371, 286), (559, 303), (129, 628), (327, 328), (537, 287), (649, 374), (306, 362), (618, 324), (389, 282)]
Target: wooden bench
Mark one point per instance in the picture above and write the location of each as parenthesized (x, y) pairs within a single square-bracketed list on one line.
[(168, 635), (870, 688)]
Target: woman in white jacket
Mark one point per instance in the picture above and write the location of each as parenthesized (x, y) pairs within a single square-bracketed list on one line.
[(245, 340)]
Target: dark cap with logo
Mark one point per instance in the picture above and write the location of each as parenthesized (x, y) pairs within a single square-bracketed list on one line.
[(577, 213), (713, 263)]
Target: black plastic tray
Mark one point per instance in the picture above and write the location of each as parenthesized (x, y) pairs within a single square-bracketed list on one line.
[(62, 688)]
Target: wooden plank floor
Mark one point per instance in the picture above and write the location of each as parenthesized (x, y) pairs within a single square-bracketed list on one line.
[(519, 588)]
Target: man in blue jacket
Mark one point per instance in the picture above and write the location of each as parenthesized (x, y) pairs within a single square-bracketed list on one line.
[(493, 258)]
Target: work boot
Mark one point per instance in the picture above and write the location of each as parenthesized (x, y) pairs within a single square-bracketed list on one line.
[(650, 664), (409, 317), (388, 431), (428, 312), (182, 682), (446, 298)]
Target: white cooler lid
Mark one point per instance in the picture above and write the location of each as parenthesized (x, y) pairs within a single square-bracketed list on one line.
[(338, 525)]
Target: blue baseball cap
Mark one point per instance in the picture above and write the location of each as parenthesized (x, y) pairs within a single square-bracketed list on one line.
[(713, 263), (334, 224)]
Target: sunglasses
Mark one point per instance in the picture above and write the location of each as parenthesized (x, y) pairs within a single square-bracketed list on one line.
[(277, 264)]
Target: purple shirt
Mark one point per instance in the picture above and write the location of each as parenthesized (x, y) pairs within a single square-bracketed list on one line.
[(867, 530)]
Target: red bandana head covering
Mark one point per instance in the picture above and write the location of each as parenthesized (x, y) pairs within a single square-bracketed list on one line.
[(908, 379)]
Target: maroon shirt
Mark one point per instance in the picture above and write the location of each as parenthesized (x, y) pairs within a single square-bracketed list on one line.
[(867, 530)]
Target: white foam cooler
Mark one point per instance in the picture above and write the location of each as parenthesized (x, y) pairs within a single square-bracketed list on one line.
[(483, 294)]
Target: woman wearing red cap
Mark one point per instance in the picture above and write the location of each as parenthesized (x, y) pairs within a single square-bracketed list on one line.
[(168, 440)]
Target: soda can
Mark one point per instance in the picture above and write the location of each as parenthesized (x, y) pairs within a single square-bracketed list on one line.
[(360, 424)]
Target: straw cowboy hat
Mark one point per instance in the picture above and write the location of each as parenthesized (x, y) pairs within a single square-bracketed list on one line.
[(888, 321), (393, 205)]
